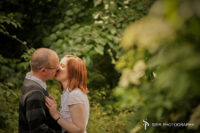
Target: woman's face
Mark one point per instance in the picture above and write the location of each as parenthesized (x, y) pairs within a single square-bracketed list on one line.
[(61, 75)]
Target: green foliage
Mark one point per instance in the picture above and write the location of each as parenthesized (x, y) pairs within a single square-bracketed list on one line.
[(8, 20), (35, 16), (162, 84), (88, 29), (10, 69), (27, 57), (101, 121), (12, 73), (9, 109)]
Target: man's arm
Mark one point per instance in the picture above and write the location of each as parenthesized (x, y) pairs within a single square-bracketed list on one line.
[(35, 114)]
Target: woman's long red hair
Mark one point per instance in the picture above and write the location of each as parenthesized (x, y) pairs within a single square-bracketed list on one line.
[(77, 73)]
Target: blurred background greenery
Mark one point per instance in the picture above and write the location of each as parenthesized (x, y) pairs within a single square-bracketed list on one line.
[(142, 58)]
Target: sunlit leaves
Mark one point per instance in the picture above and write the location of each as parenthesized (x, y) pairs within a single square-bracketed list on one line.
[(169, 88), (147, 33), (195, 118), (99, 49), (97, 2), (128, 100), (133, 75)]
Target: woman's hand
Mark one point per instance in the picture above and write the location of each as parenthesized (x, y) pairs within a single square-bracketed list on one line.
[(52, 106)]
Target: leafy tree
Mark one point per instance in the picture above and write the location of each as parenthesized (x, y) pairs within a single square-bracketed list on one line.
[(160, 69)]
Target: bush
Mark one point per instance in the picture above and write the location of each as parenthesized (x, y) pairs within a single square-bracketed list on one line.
[(102, 121), (161, 82)]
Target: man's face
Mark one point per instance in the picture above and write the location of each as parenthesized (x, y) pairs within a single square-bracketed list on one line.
[(54, 67)]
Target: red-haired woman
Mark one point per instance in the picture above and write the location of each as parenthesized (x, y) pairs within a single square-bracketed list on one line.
[(74, 113)]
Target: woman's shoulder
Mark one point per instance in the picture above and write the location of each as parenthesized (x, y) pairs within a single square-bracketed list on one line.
[(76, 96), (76, 92)]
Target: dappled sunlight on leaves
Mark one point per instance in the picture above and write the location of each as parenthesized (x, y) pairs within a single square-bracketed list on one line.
[(133, 75), (167, 82), (147, 33)]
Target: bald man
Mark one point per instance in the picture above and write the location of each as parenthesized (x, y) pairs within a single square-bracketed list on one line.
[(34, 116)]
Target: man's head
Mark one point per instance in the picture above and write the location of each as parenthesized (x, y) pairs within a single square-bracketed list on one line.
[(44, 63)]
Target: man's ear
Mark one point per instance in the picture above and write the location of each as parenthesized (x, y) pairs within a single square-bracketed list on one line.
[(42, 70)]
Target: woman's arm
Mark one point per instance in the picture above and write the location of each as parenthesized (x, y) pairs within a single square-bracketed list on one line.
[(77, 113)]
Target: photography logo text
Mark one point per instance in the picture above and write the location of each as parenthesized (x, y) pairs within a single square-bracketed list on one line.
[(164, 124), (146, 124)]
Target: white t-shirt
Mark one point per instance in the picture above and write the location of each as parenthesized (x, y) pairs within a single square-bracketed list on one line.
[(74, 97)]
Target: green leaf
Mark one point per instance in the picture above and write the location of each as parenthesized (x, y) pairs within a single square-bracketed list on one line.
[(100, 41), (69, 12), (97, 2), (99, 49)]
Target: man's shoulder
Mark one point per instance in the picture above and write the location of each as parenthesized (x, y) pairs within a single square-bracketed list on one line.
[(30, 83), (32, 91)]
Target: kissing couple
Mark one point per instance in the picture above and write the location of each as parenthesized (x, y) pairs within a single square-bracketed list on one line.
[(38, 110)]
